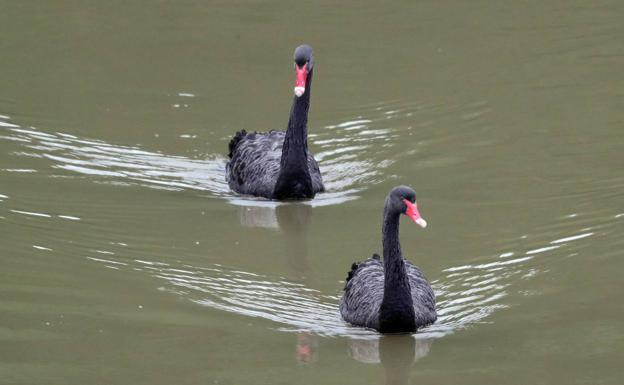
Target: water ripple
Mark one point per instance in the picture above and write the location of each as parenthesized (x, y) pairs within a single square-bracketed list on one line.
[(467, 294), (342, 146), (353, 154)]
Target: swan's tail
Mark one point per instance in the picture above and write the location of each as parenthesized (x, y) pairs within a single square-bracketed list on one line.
[(234, 142)]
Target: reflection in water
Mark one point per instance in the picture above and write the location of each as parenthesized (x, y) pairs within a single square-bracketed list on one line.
[(291, 218), (259, 216), (293, 221), (374, 351), (307, 347), (396, 353)]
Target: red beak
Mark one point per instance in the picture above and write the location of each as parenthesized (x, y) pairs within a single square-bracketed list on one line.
[(300, 81), (412, 212)]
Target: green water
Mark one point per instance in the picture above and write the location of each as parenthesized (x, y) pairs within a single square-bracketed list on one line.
[(126, 260)]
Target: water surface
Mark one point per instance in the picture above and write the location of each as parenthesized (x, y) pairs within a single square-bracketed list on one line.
[(127, 260)]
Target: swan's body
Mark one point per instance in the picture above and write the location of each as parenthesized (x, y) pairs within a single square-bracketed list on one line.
[(277, 164), (255, 164), (392, 296), (365, 289)]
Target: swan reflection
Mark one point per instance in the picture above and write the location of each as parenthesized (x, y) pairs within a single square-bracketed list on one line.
[(307, 347), (291, 218), (396, 353)]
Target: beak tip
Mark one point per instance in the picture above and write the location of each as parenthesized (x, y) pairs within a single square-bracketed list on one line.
[(299, 91), (421, 222)]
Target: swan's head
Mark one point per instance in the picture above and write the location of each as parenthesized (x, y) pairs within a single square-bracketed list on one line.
[(402, 199), (304, 62)]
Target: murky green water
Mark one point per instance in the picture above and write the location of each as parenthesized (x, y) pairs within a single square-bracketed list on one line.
[(126, 260)]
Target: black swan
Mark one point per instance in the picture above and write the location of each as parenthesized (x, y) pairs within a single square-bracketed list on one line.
[(393, 296), (277, 164)]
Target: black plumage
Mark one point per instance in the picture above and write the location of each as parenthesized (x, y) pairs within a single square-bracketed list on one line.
[(277, 164), (393, 295)]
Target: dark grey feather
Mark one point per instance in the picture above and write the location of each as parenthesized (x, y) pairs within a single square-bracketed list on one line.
[(255, 163), (393, 295), (276, 164), (364, 291)]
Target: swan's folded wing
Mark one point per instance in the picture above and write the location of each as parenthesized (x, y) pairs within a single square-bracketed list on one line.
[(422, 294), (363, 293), (255, 163), (315, 174)]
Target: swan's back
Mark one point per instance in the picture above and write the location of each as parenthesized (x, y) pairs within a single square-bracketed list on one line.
[(364, 291), (255, 163)]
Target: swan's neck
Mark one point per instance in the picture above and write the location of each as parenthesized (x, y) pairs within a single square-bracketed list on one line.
[(396, 313), (294, 179)]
